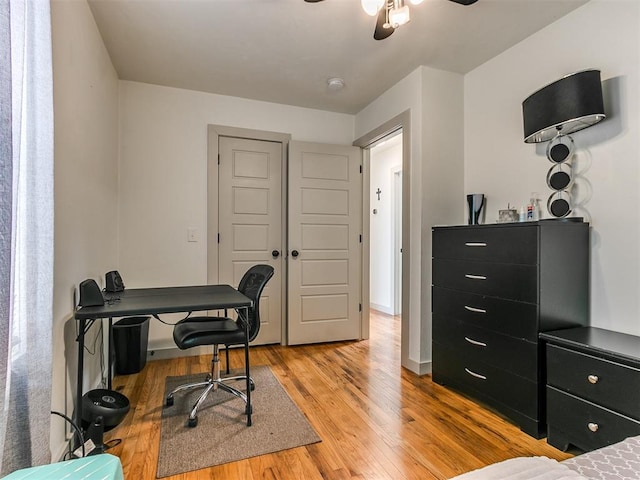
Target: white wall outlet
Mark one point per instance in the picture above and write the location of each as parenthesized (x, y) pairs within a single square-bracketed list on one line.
[(192, 235)]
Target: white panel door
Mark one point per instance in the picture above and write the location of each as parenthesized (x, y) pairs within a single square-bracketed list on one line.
[(250, 223), (325, 221)]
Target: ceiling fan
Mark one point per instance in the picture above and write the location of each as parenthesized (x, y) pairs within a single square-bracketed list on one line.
[(391, 13)]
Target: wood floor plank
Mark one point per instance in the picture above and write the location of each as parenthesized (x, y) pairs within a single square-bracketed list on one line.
[(376, 419)]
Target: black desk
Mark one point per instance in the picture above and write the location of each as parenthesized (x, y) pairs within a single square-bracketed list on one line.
[(152, 301)]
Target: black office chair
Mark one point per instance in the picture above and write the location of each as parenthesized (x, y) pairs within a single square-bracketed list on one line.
[(216, 331)]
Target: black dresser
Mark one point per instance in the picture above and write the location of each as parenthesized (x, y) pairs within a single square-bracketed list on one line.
[(593, 387), (495, 288)]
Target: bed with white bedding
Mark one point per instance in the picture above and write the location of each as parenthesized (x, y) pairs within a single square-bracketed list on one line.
[(620, 461)]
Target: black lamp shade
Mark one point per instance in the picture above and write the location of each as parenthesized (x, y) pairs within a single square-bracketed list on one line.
[(565, 106)]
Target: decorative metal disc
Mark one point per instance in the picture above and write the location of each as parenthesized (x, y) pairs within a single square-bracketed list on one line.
[(559, 204), (559, 176), (560, 149)]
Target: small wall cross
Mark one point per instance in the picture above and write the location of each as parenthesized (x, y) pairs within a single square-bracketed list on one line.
[(378, 193)]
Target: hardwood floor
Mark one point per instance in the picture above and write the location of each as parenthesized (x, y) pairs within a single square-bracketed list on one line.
[(376, 419)]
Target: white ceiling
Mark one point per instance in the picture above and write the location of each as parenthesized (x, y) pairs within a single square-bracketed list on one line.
[(284, 51)]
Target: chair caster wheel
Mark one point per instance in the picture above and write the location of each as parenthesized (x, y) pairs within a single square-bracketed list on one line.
[(192, 422), (168, 401), (252, 386)]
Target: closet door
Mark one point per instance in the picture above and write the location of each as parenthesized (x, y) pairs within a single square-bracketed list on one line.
[(324, 243), (250, 223)]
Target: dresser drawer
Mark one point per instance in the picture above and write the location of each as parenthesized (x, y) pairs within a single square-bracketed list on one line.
[(492, 384), (509, 317), (477, 345), (515, 282), (515, 244), (585, 424), (595, 379)]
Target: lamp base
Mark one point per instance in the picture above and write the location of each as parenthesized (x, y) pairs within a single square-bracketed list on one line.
[(564, 219)]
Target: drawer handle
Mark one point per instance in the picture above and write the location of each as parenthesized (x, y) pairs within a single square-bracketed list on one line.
[(593, 427), (474, 309), (473, 374), (475, 342), (475, 277), (593, 379), (475, 244)]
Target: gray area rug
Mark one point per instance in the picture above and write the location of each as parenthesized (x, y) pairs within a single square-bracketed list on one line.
[(222, 435)]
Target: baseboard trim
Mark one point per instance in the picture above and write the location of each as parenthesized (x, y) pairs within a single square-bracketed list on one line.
[(174, 352), (419, 368), (63, 451)]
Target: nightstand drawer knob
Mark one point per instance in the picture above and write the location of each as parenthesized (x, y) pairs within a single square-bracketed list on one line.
[(593, 427), (593, 378)]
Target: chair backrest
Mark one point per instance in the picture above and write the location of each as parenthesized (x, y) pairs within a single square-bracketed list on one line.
[(251, 285)]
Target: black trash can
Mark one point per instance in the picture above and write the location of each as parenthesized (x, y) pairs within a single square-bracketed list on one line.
[(130, 340)]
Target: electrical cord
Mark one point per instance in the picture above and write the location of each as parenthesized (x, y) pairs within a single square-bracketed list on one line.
[(155, 315), (95, 341), (76, 428)]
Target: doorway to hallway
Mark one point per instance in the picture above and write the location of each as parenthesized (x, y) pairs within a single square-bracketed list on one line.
[(385, 225)]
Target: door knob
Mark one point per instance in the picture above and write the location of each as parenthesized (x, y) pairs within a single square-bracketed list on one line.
[(295, 253), (275, 254)]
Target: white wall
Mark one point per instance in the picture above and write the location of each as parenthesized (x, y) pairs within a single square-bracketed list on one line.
[(442, 175), (605, 35), (385, 159), (435, 101), (163, 176), (86, 150)]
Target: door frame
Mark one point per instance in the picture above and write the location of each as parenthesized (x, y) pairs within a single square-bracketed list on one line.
[(401, 121), (214, 132), (397, 239)]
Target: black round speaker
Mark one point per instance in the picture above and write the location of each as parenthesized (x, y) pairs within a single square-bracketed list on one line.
[(112, 406)]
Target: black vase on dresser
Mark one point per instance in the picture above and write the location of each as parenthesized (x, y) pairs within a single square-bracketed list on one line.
[(495, 288)]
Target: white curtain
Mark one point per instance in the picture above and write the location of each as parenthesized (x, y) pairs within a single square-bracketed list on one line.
[(26, 232)]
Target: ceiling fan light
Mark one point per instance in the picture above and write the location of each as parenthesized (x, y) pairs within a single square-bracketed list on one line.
[(399, 16), (371, 7)]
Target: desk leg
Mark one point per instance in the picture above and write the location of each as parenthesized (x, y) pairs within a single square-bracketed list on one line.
[(109, 359), (77, 417), (246, 362)]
